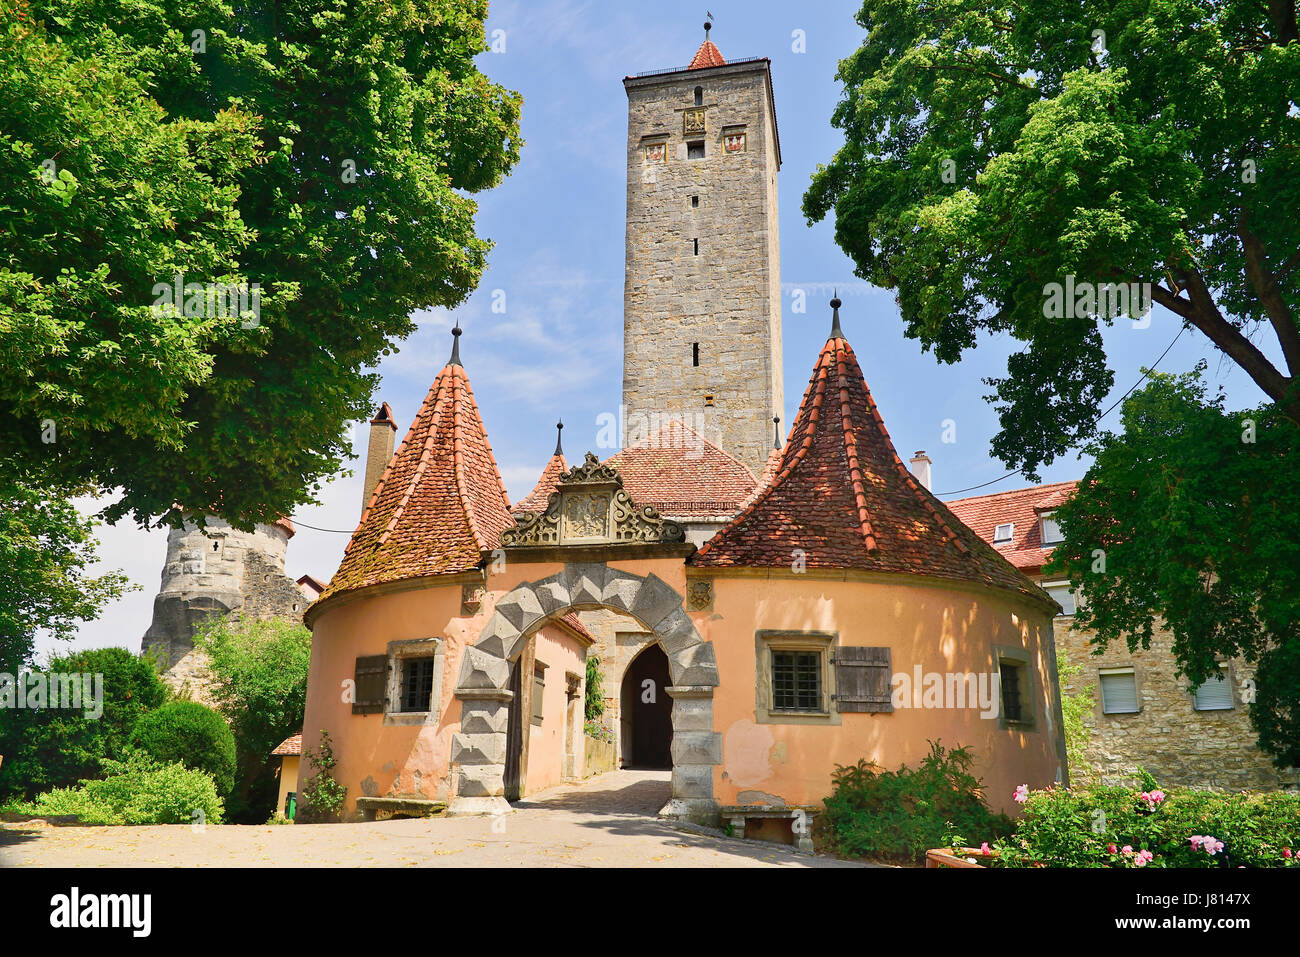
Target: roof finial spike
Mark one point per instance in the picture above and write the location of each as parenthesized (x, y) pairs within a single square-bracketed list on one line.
[(559, 428), (708, 24), (776, 431), (455, 346), (836, 331)]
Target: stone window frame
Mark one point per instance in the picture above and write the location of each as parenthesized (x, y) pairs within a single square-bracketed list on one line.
[(699, 141), (397, 651), (1137, 690), (1030, 692), (1229, 675), (824, 643)]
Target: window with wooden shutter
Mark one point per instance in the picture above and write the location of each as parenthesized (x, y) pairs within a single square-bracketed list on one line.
[(371, 684), (539, 690), (863, 680)]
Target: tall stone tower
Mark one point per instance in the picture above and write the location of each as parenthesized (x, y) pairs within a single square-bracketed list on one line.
[(702, 295)]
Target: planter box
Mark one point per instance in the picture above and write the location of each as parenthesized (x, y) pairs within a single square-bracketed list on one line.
[(598, 756), (944, 857)]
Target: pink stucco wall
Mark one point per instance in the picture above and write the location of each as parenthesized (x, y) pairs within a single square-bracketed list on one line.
[(561, 653)]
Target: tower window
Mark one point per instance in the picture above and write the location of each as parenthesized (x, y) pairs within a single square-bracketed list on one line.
[(695, 201), (695, 150), (699, 96), (697, 246), (695, 353)]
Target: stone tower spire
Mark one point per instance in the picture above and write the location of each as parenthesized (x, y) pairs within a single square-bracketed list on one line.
[(702, 296)]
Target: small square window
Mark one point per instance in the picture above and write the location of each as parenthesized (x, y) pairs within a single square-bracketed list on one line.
[(1119, 692), (1004, 533), (695, 150), (1063, 595), (695, 201), (1215, 694), (796, 681), (1051, 531), (417, 684)]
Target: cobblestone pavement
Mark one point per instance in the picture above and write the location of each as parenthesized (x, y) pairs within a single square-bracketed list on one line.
[(608, 821)]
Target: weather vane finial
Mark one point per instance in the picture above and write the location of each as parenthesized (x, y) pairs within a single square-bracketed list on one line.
[(708, 23)]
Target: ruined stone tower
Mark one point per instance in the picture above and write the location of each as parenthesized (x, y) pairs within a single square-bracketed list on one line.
[(211, 572), (702, 296)]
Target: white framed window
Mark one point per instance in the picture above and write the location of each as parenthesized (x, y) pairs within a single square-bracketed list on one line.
[(1004, 533), (1051, 531), (1063, 595), (1118, 691), (1216, 693)]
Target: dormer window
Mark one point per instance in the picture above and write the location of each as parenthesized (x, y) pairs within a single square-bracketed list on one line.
[(1004, 533), (1051, 531)]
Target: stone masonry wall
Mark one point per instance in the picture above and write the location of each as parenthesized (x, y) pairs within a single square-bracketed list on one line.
[(619, 639), (728, 297), (1168, 737)]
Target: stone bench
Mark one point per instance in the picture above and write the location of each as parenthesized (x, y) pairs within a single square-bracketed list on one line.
[(386, 808), (738, 814)]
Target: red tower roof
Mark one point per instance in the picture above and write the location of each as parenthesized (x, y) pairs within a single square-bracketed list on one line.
[(706, 56), (681, 473), (440, 502), (843, 498), (537, 499)]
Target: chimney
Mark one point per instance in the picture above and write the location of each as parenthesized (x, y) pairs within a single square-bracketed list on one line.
[(920, 463), (382, 432)]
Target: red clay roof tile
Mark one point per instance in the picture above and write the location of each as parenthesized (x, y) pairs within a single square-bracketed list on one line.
[(290, 745), (1021, 507), (539, 497), (844, 498), (440, 502), (682, 474), (706, 56)]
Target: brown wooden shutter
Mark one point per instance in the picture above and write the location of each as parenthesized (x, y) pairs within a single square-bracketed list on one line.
[(372, 684), (863, 679)]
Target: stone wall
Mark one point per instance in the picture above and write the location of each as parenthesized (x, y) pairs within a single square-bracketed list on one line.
[(1168, 736), (726, 298), (619, 639)]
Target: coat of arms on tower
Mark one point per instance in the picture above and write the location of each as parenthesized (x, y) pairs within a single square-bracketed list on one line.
[(693, 121)]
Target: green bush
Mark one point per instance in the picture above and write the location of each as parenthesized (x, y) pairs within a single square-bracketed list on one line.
[(593, 704), (1091, 827), (140, 790), (192, 734), (898, 815), (52, 747), (322, 798)]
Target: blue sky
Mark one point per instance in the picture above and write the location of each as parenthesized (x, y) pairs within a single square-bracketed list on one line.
[(558, 225)]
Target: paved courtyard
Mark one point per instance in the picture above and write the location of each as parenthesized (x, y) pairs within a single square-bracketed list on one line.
[(608, 821)]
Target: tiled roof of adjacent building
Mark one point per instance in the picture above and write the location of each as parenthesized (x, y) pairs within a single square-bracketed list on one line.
[(843, 498), (682, 474), (571, 621), (1020, 507), (536, 500), (290, 745), (706, 56), (440, 502)]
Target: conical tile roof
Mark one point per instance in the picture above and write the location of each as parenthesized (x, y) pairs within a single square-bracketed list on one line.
[(706, 56), (843, 498), (540, 496), (440, 502)]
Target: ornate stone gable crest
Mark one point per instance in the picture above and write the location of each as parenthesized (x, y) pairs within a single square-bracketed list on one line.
[(589, 507)]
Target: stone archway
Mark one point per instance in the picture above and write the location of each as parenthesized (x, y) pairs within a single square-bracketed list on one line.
[(479, 748)]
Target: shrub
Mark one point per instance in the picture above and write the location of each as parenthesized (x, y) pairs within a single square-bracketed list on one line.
[(259, 673), (322, 798), (594, 729), (594, 701), (898, 815), (52, 747), (1091, 827), (192, 734), (140, 790)]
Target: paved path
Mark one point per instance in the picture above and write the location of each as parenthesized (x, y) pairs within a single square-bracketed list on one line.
[(608, 821)]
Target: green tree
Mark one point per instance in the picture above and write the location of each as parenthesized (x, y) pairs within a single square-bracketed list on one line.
[(1074, 708), (326, 152), (191, 734), (259, 674), (57, 747), (994, 149), (1192, 514), (46, 546)]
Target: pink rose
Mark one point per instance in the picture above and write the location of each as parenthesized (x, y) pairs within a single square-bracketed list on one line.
[(1286, 852), (1143, 858), (1110, 848), (985, 849), (1021, 794), (1128, 850)]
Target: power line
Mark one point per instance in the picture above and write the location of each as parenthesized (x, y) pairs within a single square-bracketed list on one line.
[(1149, 370), (337, 531)]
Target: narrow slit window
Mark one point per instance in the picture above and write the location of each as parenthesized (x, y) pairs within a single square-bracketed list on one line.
[(699, 96), (697, 247), (695, 202), (695, 353)]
